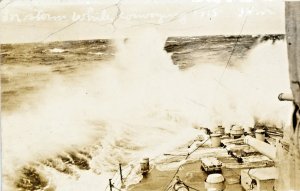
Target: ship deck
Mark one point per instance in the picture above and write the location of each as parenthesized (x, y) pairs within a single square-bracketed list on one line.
[(191, 174), (159, 179)]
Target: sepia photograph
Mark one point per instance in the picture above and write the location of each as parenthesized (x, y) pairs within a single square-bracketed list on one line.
[(152, 95)]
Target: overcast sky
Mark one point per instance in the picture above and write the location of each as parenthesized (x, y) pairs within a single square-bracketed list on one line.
[(40, 21)]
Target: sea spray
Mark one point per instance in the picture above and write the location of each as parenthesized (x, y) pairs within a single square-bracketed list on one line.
[(139, 104)]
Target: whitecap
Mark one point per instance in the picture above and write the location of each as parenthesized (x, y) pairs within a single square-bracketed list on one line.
[(57, 50)]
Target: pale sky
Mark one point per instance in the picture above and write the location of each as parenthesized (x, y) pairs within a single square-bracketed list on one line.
[(43, 20)]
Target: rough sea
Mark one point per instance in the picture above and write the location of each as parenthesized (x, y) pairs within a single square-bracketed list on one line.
[(72, 111)]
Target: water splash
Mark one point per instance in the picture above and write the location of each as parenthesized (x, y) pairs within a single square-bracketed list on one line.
[(121, 111)]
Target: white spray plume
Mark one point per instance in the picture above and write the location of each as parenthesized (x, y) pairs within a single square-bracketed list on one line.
[(142, 104)]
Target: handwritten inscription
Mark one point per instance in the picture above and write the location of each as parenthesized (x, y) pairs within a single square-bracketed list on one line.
[(92, 15)]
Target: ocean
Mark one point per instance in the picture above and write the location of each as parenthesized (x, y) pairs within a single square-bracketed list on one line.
[(72, 111)]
